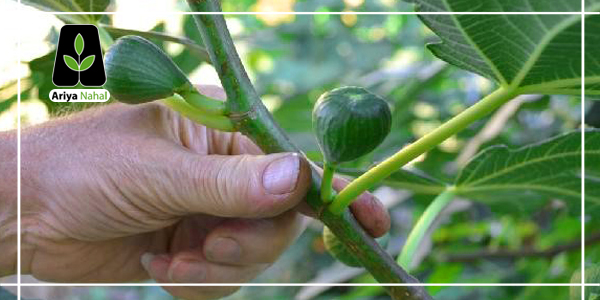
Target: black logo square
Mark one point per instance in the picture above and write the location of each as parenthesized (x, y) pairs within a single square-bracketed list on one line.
[(78, 57)]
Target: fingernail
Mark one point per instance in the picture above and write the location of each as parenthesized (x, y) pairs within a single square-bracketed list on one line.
[(223, 249), (187, 271), (281, 175), (145, 260)]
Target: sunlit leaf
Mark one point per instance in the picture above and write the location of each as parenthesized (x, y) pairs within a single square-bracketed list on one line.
[(549, 169), (592, 168), (69, 6), (501, 5), (592, 60), (529, 53), (92, 5)]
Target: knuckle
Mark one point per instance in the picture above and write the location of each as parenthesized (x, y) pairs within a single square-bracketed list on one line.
[(258, 201)]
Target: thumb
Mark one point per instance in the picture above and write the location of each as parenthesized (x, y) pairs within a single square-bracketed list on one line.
[(250, 186)]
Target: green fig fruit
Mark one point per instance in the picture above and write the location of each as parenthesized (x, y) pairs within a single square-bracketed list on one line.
[(350, 122), (138, 71), (338, 250)]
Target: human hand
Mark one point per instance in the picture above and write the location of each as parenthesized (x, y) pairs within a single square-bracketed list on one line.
[(8, 203), (125, 193)]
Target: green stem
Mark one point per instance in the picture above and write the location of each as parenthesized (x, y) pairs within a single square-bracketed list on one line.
[(422, 145), (178, 104), (327, 182), (252, 118), (418, 232), (203, 103)]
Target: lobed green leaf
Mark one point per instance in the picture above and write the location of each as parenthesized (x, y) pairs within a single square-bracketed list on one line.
[(550, 169), (528, 53)]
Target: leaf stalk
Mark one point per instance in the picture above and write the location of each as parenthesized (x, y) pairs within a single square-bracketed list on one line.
[(327, 183), (418, 232)]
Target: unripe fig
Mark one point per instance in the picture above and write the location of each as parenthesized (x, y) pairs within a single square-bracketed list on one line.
[(138, 71), (350, 122), (338, 250)]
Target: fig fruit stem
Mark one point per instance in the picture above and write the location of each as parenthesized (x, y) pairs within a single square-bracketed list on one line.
[(327, 182), (416, 235), (218, 122), (252, 118), (422, 145), (203, 103)]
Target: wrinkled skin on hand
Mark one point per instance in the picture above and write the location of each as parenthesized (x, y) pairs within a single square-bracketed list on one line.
[(126, 193)]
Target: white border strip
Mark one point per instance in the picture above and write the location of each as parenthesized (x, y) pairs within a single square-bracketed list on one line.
[(43, 284), (305, 284), (19, 284), (313, 13)]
